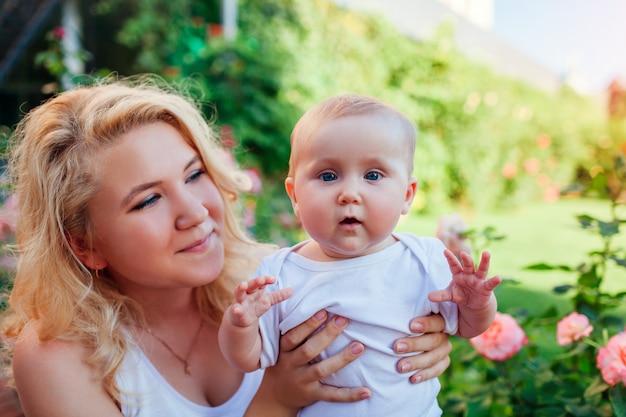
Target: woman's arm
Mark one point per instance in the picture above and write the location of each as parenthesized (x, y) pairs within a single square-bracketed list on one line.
[(294, 383), (53, 379)]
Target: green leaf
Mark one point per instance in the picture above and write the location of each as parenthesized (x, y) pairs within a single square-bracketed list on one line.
[(617, 396), (562, 289), (608, 229), (598, 386), (586, 221), (619, 261), (546, 267)]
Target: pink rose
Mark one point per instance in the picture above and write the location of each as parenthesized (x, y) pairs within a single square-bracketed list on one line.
[(572, 327), (503, 339), (450, 231), (255, 179), (611, 360), (8, 217), (59, 32)]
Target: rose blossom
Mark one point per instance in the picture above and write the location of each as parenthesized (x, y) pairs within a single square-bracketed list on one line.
[(572, 327), (450, 231), (59, 32), (8, 217), (503, 339), (611, 360)]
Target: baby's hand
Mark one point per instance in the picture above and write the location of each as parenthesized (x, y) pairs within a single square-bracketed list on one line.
[(252, 301), (469, 287)]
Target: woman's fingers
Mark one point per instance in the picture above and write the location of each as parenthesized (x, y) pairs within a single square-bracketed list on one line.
[(300, 346), (434, 345), (334, 363), (434, 323), (434, 360), (320, 341), (333, 394)]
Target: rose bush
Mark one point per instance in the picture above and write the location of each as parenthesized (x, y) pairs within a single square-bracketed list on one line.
[(563, 366)]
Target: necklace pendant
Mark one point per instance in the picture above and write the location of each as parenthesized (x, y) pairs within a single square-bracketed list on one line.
[(187, 369)]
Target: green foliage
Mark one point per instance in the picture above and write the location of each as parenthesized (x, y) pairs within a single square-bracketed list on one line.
[(53, 58), (544, 379)]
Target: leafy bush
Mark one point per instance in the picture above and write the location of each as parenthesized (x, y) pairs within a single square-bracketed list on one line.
[(572, 366)]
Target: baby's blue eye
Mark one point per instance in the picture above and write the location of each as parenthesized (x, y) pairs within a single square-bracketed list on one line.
[(372, 176), (328, 176)]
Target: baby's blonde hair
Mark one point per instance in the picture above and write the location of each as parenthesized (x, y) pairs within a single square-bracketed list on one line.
[(53, 167), (347, 105)]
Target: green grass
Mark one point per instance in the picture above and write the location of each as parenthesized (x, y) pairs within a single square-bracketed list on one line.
[(540, 232)]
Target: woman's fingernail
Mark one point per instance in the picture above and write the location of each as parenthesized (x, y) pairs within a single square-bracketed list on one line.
[(402, 347), (416, 379), (357, 348), (365, 395), (340, 321), (417, 327), (320, 315), (405, 367)]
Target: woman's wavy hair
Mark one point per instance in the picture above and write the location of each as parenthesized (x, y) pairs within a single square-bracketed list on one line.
[(53, 166)]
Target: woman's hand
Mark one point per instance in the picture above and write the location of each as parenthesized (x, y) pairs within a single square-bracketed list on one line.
[(294, 382), (434, 344)]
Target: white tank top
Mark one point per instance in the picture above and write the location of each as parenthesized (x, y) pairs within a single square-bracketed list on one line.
[(145, 393)]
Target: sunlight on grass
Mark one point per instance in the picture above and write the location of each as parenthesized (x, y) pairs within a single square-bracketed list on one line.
[(542, 232)]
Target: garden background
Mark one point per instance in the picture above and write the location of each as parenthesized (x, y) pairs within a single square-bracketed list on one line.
[(536, 177)]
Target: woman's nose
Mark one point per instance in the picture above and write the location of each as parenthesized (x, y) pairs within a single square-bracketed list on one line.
[(191, 211)]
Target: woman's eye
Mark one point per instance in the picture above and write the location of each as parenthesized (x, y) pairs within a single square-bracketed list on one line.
[(328, 176), (147, 202), (372, 176), (195, 175)]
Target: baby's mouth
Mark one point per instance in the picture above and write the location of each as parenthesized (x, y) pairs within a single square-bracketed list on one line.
[(349, 220)]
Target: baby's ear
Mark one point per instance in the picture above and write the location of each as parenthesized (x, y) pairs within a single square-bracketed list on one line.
[(410, 194), (87, 255), (291, 192)]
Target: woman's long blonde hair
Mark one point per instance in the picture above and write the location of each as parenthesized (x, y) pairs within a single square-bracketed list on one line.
[(53, 168)]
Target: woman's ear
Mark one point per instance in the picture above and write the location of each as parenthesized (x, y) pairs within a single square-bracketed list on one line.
[(87, 255)]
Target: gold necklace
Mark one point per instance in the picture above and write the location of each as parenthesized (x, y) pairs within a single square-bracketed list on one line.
[(184, 360)]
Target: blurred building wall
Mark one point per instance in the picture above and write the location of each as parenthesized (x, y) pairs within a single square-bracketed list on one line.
[(419, 19)]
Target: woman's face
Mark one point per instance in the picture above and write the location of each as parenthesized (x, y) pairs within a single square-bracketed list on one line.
[(158, 216)]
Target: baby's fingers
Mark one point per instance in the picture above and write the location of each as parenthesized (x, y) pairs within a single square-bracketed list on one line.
[(453, 261), (463, 264), (483, 267), (280, 295), (259, 283), (440, 296), (241, 291), (492, 283)]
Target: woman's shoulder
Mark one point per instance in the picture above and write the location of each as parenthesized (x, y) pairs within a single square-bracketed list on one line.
[(56, 373), (31, 352), (53, 359)]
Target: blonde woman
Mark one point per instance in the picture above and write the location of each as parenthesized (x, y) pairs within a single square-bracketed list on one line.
[(130, 247)]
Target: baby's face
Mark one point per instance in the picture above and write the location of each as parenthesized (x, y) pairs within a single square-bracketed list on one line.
[(351, 183)]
